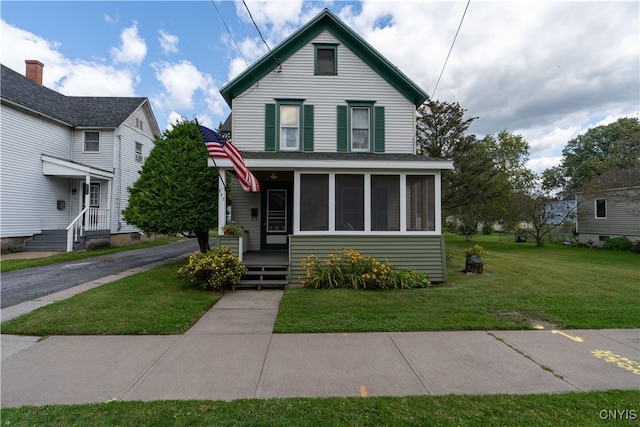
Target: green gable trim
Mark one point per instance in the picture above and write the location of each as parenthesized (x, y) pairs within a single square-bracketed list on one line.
[(325, 20)]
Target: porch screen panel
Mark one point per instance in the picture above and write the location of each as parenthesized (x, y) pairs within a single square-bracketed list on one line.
[(314, 202), (350, 202), (421, 203), (385, 202)]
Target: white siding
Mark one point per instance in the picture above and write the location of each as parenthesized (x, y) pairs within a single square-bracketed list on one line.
[(28, 198), (102, 159), (355, 81), (241, 213), (126, 168)]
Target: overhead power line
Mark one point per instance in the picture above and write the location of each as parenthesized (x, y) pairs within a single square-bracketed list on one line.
[(230, 34), (450, 49), (259, 32)]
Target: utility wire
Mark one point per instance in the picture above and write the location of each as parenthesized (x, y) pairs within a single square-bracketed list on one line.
[(450, 49), (265, 42), (230, 34)]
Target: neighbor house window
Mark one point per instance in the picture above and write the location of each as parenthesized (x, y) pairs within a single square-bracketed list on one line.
[(326, 60), (138, 152), (420, 203), (289, 127), (91, 141), (350, 202), (601, 208), (385, 203), (314, 198)]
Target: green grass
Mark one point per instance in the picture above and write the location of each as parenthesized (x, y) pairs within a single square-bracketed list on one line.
[(153, 302), (18, 264), (571, 409), (567, 287)]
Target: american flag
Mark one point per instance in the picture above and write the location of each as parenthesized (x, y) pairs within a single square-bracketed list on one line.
[(220, 148)]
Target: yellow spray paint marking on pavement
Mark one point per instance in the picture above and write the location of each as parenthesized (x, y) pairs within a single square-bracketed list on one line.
[(620, 361), (536, 326), (576, 339), (363, 391)]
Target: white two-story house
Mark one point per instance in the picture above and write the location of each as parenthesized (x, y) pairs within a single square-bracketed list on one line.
[(327, 125), (67, 162)]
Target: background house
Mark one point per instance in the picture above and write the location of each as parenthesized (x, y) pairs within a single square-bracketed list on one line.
[(609, 206), (327, 125), (62, 154)]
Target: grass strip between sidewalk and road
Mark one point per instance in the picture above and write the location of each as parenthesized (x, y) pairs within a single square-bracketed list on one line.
[(609, 408), (155, 302)]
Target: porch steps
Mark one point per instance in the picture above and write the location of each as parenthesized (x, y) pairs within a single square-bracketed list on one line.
[(264, 277), (48, 240)]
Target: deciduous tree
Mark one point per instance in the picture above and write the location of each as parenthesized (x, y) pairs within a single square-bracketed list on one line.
[(176, 191)]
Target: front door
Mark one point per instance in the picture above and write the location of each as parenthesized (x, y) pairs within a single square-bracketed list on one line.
[(277, 210)]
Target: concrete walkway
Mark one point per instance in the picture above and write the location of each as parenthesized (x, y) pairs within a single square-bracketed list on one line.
[(231, 353)]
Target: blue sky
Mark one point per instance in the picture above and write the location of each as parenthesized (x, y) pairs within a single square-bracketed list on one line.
[(546, 70)]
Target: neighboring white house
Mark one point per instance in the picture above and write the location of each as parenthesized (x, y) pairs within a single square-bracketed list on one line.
[(327, 125), (610, 207), (67, 158)]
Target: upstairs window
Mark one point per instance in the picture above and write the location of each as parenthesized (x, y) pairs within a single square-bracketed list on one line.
[(326, 60), (601, 208), (289, 127), (360, 129), (138, 152), (91, 142)]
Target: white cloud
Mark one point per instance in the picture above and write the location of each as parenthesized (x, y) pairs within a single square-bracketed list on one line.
[(168, 42), (90, 79), (73, 78), (181, 83), (133, 48)]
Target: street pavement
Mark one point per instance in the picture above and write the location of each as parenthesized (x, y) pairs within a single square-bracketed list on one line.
[(232, 353)]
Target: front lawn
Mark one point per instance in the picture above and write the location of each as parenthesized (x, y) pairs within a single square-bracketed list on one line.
[(522, 285), (154, 302)]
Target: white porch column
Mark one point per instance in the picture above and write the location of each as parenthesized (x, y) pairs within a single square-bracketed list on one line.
[(86, 191), (109, 213), (222, 200)]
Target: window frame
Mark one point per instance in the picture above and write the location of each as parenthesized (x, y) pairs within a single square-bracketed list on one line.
[(595, 208), (352, 105), (325, 46), (138, 152), (84, 141), (368, 215), (289, 102)]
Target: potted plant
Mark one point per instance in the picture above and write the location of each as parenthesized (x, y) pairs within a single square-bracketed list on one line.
[(233, 230), (476, 256)]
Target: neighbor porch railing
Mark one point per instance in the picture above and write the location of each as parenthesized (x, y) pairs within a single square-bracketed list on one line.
[(90, 219)]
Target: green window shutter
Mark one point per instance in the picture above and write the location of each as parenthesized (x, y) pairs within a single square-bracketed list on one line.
[(307, 136), (378, 144), (270, 127), (343, 129)]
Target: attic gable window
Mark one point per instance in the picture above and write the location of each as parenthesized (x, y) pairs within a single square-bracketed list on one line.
[(326, 60), (91, 142)]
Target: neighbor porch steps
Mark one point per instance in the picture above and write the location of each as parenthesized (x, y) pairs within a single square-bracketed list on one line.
[(264, 277)]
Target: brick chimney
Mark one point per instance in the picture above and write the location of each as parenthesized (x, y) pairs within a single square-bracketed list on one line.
[(34, 70)]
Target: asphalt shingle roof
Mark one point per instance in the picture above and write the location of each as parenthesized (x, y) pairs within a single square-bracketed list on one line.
[(79, 111)]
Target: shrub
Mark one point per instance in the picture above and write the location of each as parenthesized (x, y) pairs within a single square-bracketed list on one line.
[(348, 268), (487, 228), (408, 279), (476, 250), (617, 244), (636, 247), (217, 269)]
